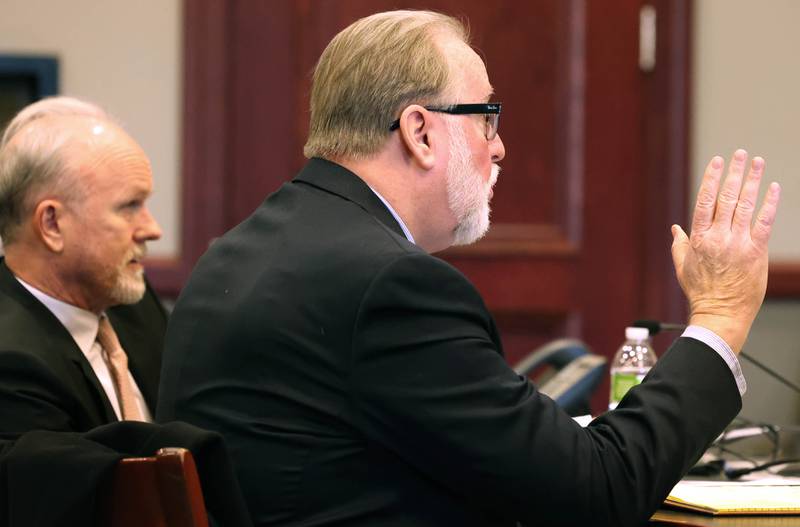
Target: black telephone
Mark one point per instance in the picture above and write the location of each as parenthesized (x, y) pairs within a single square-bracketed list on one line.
[(574, 373)]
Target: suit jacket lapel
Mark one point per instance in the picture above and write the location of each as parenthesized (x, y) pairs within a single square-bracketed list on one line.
[(335, 178), (99, 394), (57, 338), (132, 338), (140, 328)]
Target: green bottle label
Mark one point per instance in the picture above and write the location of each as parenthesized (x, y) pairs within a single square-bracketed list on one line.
[(621, 383)]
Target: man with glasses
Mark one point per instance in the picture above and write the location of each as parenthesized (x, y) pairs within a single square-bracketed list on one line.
[(360, 381)]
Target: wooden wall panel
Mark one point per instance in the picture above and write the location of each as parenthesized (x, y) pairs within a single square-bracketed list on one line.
[(595, 163), (784, 280), (204, 129)]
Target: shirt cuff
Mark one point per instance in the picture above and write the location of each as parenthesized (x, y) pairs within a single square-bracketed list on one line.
[(715, 342)]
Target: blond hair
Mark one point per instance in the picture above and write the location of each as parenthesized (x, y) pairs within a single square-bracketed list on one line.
[(369, 72)]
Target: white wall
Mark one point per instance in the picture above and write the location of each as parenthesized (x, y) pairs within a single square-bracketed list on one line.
[(125, 56), (747, 94)]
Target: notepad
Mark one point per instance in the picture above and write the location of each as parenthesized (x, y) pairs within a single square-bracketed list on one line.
[(721, 498)]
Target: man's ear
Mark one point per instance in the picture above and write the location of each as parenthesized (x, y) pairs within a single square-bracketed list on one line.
[(48, 219), (416, 131)]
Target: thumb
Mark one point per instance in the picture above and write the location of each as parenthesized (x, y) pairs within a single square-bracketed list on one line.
[(680, 244)]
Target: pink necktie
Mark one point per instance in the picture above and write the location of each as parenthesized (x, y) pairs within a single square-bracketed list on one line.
[(117, 362)]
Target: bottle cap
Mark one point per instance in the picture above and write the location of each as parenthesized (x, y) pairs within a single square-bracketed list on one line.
[(636, 333)]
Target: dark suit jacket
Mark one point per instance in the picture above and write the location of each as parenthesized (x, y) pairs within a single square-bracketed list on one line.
[(360, 381), (45, 380), (53, 479)]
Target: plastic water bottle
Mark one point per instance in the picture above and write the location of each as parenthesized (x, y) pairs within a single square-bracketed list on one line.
[(631, 363)]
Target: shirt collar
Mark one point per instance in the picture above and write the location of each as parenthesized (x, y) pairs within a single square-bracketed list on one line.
[(81, 324), (397, 217)]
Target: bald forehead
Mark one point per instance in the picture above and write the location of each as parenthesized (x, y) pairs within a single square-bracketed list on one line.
[(80, 128), (51, 106), (72, 136)]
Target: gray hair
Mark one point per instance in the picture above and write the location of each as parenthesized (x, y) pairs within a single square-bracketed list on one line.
[(32, 158)]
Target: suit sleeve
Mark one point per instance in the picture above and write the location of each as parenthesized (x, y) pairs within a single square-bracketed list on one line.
[(32, 397), (430, 383)]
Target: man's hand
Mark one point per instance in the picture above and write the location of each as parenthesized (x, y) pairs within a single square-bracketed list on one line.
[(722, 268)]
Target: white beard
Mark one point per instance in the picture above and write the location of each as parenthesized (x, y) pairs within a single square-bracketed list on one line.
[(467, 194), (129, 288)]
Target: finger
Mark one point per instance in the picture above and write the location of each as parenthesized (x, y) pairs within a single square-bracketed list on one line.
[(749, 195), (729, 193), (762, 227), (707, 196), (680, 244)]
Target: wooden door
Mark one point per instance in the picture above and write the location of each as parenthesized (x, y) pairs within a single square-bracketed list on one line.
[(595, 171)]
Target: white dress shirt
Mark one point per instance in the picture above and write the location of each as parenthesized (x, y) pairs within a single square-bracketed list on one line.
[(82, 325), (397, 217)]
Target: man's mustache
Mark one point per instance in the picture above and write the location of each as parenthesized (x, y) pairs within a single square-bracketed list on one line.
[(495, 173), (138, 253)]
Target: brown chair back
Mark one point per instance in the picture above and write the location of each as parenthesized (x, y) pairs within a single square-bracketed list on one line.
[(159, 491)]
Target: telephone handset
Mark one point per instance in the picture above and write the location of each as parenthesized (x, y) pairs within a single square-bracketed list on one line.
[(573, 374)]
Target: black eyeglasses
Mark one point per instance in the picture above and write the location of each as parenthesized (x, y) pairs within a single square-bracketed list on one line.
[(490, 110)]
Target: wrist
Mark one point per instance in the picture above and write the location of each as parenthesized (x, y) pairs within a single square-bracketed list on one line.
[(733, 330)]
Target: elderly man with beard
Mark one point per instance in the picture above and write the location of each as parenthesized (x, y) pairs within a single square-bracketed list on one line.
[(81, 333), (359, 380)]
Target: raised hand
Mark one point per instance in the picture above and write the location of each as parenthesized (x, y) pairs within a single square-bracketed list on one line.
[(722, 267)]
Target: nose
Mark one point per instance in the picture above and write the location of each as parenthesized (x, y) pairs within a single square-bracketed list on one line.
[(149, 229), (497, 149)]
